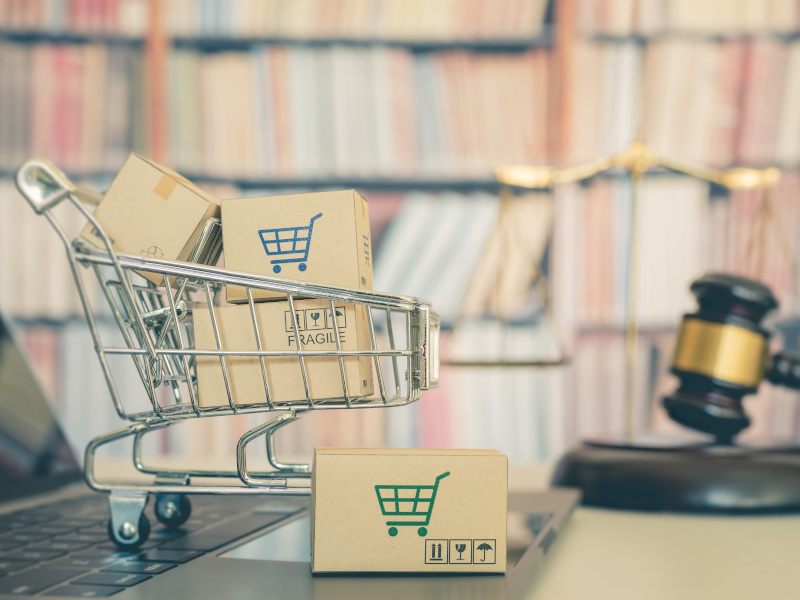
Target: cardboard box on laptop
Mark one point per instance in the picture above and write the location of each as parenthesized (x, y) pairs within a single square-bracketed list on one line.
[(315, 327), (320, 237), (152, 211), (415, 510)]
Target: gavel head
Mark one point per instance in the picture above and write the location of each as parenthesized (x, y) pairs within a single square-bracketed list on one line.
[(720, 355)]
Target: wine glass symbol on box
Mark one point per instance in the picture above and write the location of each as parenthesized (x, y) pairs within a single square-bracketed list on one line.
[(460, 552)]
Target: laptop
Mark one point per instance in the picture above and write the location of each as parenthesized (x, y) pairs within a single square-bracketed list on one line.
[(54, 540)]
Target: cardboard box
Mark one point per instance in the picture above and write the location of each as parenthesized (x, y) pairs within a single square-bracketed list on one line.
[(152, 211), (315, 326), (332, 245), (460, 497)]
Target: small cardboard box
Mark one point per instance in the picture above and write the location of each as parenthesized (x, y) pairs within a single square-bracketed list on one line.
[(322, 237), (151, 211), (422, 511), (315, 326)]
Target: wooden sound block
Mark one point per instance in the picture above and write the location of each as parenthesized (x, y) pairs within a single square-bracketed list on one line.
[(692, 478)]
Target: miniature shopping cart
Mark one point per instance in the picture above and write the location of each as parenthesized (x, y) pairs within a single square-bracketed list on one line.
[(154, 326), (292, 243), (411, 505)]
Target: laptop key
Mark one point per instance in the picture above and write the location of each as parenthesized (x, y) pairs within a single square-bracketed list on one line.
[(117, 579), (173, 556), (84, 591), (140, 566), (34, 580), (53, 545), (79, 538), (27, 537), (36, 555), (9, 545), (101, 553), (53, 529), (15, 565), (70, 562), (225, 532), (77, 522)]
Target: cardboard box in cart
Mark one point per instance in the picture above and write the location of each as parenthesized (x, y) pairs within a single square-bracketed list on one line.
[(315, 325), (152, 211), (320, 237), (418, 510)]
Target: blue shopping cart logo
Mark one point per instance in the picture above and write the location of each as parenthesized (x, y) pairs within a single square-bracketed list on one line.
[(290, 244)]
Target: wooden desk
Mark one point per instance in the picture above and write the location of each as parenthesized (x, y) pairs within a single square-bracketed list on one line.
[(625, 555)]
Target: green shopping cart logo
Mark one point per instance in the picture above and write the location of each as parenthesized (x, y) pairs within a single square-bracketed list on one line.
[(409, 505)]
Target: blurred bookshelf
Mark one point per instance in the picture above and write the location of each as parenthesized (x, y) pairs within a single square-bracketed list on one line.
[(417, 108)]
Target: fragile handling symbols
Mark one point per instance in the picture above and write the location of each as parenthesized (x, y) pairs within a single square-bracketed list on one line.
[(460, 552)]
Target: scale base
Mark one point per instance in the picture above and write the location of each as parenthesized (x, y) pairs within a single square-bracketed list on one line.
[(702, 478)]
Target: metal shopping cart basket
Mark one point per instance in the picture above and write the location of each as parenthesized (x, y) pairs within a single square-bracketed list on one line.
[(156, 324), (410, 505)]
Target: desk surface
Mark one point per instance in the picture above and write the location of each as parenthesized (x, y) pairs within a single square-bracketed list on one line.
[(625, 555), (604, 554)]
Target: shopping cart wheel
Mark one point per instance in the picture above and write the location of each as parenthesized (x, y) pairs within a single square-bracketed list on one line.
[(421, 532), (130, 536), (173, 510), (302, 266), (276, 268), (392, 531)]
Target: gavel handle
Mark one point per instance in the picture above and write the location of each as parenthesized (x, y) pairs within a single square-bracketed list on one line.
[(784, 369)]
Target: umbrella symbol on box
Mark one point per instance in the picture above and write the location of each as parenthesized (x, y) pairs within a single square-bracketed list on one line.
[(484, 546)]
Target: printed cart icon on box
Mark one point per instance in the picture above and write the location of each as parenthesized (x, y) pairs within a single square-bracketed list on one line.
[(292, 243), (411, 504)]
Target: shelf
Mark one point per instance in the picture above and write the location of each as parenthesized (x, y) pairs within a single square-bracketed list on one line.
[(219, 43), (619, 329), (456, 184), (642, 39), (59, 37), (371, 183), (213, 43)]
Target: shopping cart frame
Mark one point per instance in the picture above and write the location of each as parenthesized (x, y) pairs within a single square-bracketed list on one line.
[(163, 353)]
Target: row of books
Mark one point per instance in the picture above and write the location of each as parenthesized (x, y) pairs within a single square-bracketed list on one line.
[(416, 237), (78, 105), (302, 19), (719, 103), (682, 233), (35, 278), (500, 248), (306, 112), (278, 111), (123, 18), (528, 414), (706, 17), (392, 19)]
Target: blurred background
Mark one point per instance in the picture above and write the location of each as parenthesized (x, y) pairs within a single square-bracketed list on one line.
[(416, 104)]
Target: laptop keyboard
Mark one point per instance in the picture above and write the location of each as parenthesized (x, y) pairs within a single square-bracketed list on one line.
[(63, 549)]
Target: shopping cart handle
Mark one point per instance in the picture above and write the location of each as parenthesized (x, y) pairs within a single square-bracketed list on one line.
[(442, 476), (44, 185)]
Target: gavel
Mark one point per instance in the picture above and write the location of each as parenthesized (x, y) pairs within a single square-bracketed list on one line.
[(722, 355)]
